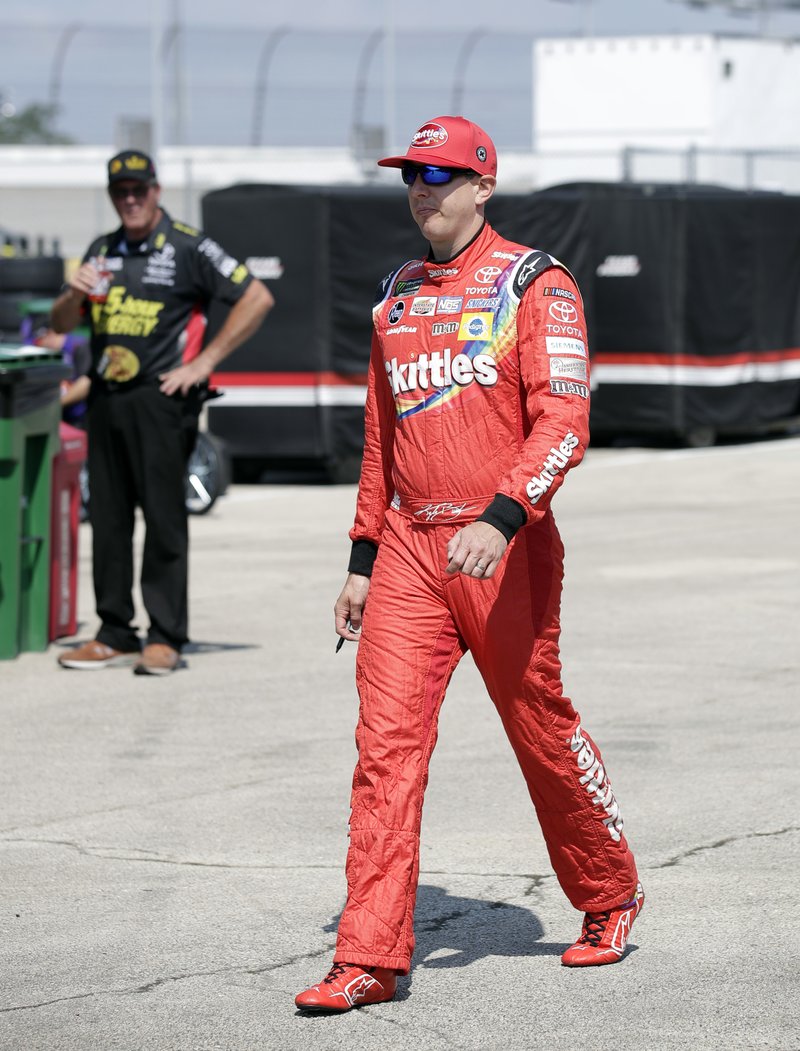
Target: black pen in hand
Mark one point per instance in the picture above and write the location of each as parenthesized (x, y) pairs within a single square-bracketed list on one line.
[(342, 638), (340, 643)]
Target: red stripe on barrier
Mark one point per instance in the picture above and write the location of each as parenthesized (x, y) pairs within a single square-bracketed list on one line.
[(695, 360)]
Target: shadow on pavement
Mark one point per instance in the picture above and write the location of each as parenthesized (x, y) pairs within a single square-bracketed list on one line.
[(453, 931), (191, 647), (218, 647)]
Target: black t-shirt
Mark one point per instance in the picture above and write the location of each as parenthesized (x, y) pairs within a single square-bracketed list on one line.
[(147, 295)]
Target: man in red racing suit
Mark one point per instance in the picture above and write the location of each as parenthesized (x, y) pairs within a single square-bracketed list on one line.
[(477, 406)]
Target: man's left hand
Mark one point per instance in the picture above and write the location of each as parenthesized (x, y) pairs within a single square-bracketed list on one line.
[(476, 551), (184, 377)]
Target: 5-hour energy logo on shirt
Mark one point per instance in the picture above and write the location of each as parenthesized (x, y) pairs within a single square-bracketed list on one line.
[(124, 315)]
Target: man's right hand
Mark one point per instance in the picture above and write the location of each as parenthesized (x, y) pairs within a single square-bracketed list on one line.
[(66, 312), (349, 607), (84, 279)]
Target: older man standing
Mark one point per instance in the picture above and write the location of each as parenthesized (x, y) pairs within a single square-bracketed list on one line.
[(477, 407), (143, 289)]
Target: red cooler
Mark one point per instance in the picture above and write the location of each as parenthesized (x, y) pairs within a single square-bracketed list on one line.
[(64, 522)]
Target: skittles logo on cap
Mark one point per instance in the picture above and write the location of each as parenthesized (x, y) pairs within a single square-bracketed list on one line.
[(429, 135)]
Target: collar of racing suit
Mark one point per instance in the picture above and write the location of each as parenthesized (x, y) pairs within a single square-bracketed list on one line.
[(445, 262), (447, 272)]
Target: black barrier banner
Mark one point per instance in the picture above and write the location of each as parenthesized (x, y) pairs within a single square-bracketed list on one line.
[(692, 298)]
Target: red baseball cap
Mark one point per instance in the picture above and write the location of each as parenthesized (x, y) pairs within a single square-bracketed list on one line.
[(452, 142)]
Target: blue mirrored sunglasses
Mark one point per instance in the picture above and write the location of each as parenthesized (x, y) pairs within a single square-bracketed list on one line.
[(431, 174)]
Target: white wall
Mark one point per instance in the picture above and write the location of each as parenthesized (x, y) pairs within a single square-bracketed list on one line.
[(758, 103), (666, 92), (607, 93)]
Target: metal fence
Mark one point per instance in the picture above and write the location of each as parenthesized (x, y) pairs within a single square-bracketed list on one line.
[(740, 169), (285, 86)]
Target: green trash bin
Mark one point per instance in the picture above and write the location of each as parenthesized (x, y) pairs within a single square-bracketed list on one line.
[(30, 412)]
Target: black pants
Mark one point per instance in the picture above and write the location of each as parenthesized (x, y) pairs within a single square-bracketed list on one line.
[(139, 443)]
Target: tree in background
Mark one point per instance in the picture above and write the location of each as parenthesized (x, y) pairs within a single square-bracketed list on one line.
[(33, 125)]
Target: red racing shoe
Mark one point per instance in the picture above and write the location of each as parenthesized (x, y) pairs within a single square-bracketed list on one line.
[(347, 985), (605, 934)]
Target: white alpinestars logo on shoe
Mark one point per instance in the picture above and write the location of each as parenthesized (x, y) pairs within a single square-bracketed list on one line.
[(622, 931), (357, 989)]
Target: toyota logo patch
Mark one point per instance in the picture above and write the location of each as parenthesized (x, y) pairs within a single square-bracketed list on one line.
[(563, 312)]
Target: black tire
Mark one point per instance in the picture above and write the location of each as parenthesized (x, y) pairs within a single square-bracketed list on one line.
[(39, 274), (207, 474)]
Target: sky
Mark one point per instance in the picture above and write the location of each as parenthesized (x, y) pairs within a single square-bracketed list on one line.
[(532, 16), (562, 16), (241, 73)]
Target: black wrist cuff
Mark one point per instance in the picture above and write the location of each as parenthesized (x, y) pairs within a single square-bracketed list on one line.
[(362, 557), (504, 514)]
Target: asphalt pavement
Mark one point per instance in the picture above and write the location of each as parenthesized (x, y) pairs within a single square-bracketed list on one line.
[(172, 849)]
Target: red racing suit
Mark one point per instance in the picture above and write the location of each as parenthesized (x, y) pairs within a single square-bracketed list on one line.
[(477, 406)]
